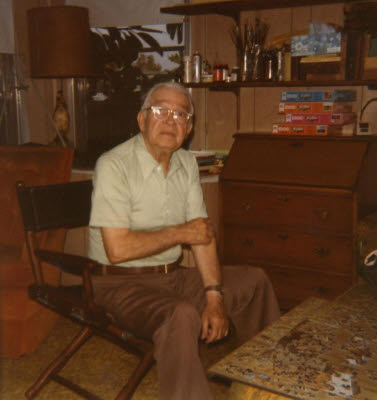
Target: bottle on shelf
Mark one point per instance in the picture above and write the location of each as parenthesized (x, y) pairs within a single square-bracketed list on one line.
[(196, 67), (187, 69)]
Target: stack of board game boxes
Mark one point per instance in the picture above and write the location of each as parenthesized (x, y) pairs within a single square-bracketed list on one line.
[(317, 112)]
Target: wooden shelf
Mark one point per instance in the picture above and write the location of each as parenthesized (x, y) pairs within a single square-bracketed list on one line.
[(233, 8), (235, 85)]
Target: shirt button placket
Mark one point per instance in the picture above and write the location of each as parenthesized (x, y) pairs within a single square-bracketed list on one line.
[(166, 201)]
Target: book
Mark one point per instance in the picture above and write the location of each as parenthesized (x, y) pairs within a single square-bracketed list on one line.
[(210, 162), (315, 107), (200, 154), (211, 167), (315, 129), (206, 161), (321, 119), (318, 95)]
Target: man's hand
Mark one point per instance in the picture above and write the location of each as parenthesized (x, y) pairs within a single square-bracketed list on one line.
[(198, 231), (215, 323)]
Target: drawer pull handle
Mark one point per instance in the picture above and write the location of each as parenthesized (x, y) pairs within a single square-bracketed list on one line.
[(321, 290), (322, 214), (283, 236), (297, 144), (246, 207), (322, 252), (247, 242), (282, 197)]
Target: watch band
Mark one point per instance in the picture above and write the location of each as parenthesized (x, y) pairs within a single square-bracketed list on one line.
[(217, 288)]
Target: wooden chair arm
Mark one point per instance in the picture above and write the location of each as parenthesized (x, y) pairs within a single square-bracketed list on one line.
[(73, 264), (70, 263)]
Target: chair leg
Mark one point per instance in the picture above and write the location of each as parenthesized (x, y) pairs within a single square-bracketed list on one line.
[(141, 370), (59, 362)]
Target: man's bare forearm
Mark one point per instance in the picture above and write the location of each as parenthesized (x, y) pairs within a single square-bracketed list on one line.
[(207, 262), (125, 245)]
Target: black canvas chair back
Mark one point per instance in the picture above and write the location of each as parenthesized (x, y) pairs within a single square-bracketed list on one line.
[(66, 206)]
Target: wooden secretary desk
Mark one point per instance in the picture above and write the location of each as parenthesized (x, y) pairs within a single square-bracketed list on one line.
[(292, 205)]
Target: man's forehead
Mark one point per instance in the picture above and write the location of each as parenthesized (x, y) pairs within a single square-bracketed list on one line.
[(169, 95)]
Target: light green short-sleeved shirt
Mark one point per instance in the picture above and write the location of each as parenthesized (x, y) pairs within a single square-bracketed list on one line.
[(131, 191)]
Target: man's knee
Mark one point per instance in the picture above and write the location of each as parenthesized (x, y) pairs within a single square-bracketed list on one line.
[(185, 316), (182, 326), (257, 275), (249, 278)]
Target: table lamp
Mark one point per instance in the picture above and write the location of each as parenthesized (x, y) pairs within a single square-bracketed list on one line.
[(60, 47)]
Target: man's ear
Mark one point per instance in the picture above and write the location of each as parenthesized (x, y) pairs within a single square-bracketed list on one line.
[(141, 120), (189, 128)]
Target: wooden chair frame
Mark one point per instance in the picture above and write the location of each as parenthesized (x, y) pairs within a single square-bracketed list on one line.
[(66, 206)]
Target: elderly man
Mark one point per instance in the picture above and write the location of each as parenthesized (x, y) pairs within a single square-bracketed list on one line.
[(147, 202)]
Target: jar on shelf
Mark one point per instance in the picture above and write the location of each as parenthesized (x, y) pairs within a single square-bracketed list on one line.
[(218, 75)]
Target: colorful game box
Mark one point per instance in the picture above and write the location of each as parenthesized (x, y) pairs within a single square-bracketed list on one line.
[(318, 95)]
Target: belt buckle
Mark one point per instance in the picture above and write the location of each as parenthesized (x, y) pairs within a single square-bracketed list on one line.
[(165, 268)]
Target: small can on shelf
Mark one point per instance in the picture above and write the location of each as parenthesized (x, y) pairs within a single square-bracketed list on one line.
[(235, 74)]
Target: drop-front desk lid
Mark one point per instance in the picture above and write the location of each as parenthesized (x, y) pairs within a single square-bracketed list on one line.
[(301, 160)]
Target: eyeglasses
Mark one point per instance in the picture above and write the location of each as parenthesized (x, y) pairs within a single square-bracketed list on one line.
[(163, 113)]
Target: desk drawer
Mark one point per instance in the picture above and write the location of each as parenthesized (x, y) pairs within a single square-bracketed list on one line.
[(319, 252), (294, 286), (306, 210)]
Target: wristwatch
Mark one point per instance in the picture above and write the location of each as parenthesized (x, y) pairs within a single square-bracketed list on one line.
[(216, 288)]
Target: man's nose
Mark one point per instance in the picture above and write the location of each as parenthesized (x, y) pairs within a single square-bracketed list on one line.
[(170, 117)]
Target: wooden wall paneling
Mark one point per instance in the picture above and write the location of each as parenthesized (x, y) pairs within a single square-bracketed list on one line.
[(199, 43), (332, 13), (216, 112), (266, 109), (221, 119), (221, 115), (247, 110), (199, 133), (219, 46), (301, 17)]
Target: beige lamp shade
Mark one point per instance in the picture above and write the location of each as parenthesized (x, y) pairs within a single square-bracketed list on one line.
[(60, 42)]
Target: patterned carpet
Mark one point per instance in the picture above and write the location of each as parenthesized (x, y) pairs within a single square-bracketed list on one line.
[(99, 366)]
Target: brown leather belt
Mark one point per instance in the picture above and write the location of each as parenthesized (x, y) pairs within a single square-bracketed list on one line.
[(102, 269)]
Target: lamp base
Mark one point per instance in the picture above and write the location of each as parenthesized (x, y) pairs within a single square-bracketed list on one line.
[(61, 119), (61, 141)]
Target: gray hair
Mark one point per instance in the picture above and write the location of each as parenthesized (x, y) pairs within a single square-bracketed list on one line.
[(168, 85)]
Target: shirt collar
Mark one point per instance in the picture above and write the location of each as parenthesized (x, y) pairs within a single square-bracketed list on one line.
[(148, 164)]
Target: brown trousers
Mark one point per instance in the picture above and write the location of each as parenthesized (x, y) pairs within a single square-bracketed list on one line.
[(167, 309)]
